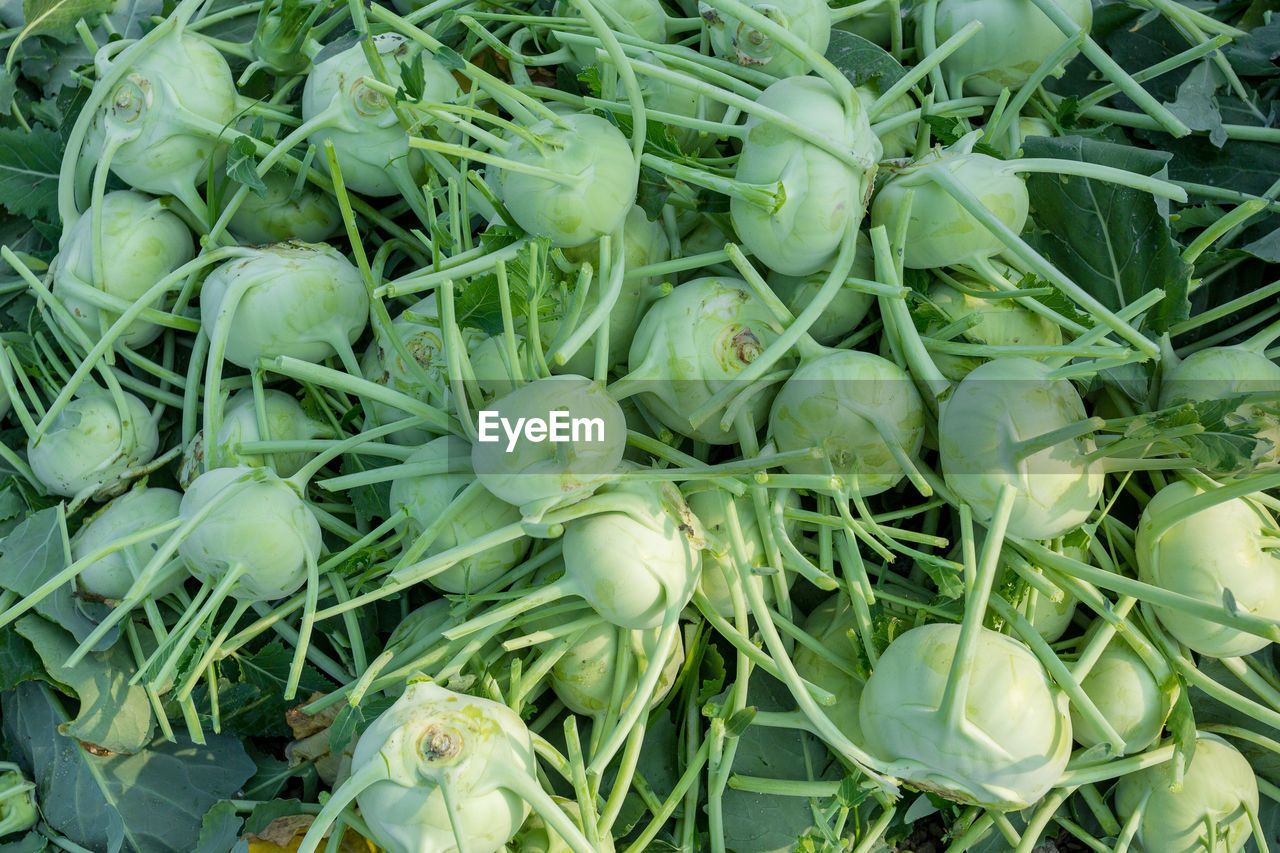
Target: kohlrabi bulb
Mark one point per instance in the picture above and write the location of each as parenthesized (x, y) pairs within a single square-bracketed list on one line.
[(901, 140), (1217, 373), (297, 299), (432, 739), (875, 24), (852, 405), (831, 623), (634, 566), (424, 497), (418, 331), (162, 151), (18, 811), (694, 341), (1015, 38), (585, 434), (536, 837), (1128, 697), (135, 510), (1001, 322), (1003, 748), (91, 443), (941, 233), (286, 421), (1217, 788), (642, 19), (645, 243), (1051, 616), (996, 407), (594, 156), (824, 197), (142, 242), (583, 677), (264, 532), (843, 313), (371, 145), (280, 214), (735, 41), (1225, 549), (719, 563), (667, 96)]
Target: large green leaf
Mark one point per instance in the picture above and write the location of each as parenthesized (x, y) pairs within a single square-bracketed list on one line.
[(150, 802), (29, 164), (1113, 241), (113, 714)]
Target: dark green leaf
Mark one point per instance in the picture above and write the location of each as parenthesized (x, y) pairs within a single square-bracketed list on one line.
[(29, 165), (267, 670), (18, 660), (414, 77), (242, 165), (271, 775), (264, 813), (450, 58), (220, 829), (863, 61), (337, 46), (1113, 241), (1254, 54), (344, 727), (34, 552), (32, 842), (652, 192), (151, 802), (1197, 102)]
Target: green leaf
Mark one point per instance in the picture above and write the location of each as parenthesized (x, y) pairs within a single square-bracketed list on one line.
[(220, 829), (32, 842), (863, 61), (264, 813), (450, 58), (1113, 241), (34, 552), (344, 727), (267, 671), (1197, 102), (29, 165), (242, 165), (113, 714), (652, 192), (151, 802), (414, 76), (56, 18), (18, 660)]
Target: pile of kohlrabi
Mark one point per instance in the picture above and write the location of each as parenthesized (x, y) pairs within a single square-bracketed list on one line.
[(576, 426)]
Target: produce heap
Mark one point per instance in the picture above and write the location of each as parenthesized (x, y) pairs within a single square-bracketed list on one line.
[(925, 497)]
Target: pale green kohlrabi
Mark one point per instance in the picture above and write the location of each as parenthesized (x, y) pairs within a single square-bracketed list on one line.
[(1006, 422), (1218, 789), (424, 498), (1126, 694), (141, 243), (719, 569), (600, 179), (736, 41), (690, 344), (583, 678), (255, 542), (831, 624), (417, 333), (939, 231), (1000, 322), (1219, 373), (642, 19), (1015, 38), (304, 300), (862, 410), (1002, 743), (371, 145), (441, 771), (825, 198), (536, 837), (900, 141), (286, 211), (93, 443), (286, 421), (667, 96), (524, 471), (159, 127), (849, 307), (645, 243), (638, 564), (18, 811), (112, 575), (1219, 551)]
